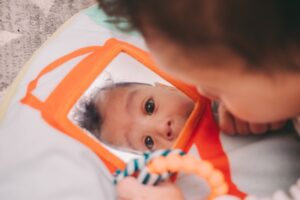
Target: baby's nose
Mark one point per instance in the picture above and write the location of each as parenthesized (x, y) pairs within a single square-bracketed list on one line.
[(166, 130)]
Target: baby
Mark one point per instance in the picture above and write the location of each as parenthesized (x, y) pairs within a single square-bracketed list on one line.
[(248, 62), (137, 116)]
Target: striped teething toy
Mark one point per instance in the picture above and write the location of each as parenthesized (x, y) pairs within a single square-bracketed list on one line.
[(158, 166)]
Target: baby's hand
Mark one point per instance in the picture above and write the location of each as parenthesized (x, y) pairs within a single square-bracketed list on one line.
[(231, 125), (131, 189)]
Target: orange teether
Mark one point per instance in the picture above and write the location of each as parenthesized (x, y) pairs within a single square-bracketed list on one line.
[(189, 164)]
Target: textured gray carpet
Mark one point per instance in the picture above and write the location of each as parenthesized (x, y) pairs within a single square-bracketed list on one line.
[(24, 26)]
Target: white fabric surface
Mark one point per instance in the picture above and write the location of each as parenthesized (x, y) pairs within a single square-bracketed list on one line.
[(47, 164), (38, 162)]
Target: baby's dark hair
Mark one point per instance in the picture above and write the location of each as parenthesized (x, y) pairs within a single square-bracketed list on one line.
[(87, 113), (257, 30)]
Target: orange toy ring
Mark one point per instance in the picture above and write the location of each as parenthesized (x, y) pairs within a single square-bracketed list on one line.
[(191, 165)]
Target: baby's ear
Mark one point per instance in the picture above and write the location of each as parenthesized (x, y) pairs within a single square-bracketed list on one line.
[(161, 85)]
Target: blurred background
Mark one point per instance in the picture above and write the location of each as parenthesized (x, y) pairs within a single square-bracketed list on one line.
[(24, 27)]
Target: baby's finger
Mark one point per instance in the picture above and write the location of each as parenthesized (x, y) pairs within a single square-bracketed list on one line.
[(126, 189), (131, 189), (277, 125), (241, 127), (258, 128), (227, 197), (226, 121)]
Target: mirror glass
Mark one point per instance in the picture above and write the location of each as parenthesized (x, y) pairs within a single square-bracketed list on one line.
[(130, 109)]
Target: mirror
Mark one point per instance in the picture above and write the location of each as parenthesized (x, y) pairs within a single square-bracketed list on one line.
[(131, 109)]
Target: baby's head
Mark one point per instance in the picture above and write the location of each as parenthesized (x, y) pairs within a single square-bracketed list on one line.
[(249, 62), (135, 115)]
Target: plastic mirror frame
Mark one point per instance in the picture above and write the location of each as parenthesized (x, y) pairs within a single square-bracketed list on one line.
[(56, 107)]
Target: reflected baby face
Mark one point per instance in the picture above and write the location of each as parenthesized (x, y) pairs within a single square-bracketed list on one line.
[(142, 117)]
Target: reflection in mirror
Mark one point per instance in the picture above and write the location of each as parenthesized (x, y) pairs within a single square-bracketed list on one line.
[(129, 107)]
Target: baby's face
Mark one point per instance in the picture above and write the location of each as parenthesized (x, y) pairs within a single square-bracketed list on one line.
[(142, 117), (223, 75)]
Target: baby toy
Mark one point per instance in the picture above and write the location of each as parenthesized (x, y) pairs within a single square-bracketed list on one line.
[(160, 165)]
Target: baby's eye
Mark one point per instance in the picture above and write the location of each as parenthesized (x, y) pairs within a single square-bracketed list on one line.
[(149, 143), (150, 106)]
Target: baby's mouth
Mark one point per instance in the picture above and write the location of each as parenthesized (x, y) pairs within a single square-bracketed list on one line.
[(174, 133), (171, 135)]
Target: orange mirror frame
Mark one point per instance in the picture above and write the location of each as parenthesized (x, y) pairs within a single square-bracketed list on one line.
[(56, 107)]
